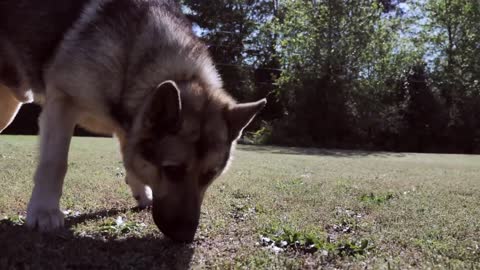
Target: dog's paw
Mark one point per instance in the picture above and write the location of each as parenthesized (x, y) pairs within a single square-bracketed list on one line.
[(144, 203), (144, 198), (44, 219)]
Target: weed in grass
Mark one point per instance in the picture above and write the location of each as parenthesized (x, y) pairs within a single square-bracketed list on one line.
[(16, 220), (344, 227), (376, 199), (241, 205), (278, 237), (347, 223), (119, 227), (240, 212), (348, 213), (260, 209), (352, 248), (284, 238), (71, 214), (238, 194)]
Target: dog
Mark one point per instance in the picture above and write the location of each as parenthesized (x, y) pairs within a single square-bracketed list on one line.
[(133, 69)]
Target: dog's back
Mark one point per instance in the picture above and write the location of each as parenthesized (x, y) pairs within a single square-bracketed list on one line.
[(31, 31)]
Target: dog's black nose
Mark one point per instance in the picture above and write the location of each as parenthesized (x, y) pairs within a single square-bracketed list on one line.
[(181, 228)]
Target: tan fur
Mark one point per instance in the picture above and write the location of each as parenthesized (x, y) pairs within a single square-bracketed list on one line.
[(9, 107)]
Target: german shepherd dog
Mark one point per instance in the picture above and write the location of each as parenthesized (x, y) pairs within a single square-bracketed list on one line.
[(129, 68)]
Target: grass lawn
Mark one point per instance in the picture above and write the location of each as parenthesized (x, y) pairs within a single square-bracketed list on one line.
[(275, 208)]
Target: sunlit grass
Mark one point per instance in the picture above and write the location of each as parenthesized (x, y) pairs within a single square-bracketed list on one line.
[(318, 208)]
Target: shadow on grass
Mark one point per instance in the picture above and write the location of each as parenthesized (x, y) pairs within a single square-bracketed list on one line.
[(72, 221), (21, 248), (315, 151)]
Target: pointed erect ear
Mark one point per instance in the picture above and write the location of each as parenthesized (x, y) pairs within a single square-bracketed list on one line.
[(240, 115), (163, 114)]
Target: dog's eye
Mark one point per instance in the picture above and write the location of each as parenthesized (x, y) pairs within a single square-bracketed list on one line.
[(207, 177), (175, 172)]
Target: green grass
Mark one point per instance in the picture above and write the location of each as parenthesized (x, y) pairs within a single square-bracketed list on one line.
[(275, 208)]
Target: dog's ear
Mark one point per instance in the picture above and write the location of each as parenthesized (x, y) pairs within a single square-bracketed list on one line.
[(240, 115), (163, 114)]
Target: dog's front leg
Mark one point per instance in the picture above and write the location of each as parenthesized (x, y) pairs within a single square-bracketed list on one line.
[(141, 192), (57, 123)]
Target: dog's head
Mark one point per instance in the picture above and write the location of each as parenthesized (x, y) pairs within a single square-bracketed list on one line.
[(181, 141)]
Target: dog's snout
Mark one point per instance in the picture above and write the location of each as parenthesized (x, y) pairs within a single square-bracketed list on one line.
[(179, 226), (178, 229)]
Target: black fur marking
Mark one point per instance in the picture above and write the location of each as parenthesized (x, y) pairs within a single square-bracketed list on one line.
[(176, 173), (201, 147), (148, 152), (35, 29), (119, 114), (207, 177), (9, 76)]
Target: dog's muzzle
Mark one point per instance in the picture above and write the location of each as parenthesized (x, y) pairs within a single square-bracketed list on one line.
[(178, 223)]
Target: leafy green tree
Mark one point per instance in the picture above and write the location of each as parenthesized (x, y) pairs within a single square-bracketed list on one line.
[(328, 66), (452, 33), (243, 47)]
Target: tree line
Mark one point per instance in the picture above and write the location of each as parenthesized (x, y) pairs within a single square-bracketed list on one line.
[(373, 74), (399, 75)]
